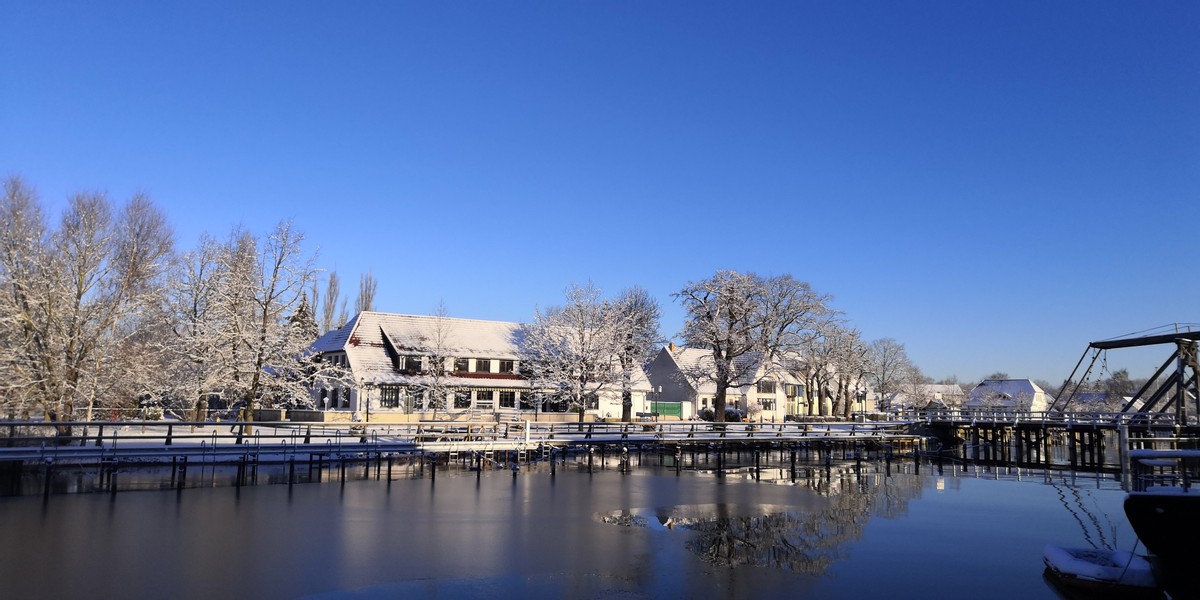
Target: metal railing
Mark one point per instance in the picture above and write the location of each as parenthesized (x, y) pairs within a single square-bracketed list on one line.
[(1014, 417)]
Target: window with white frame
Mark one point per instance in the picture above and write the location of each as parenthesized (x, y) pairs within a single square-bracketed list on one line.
[(508, 399), (462, 398), (389, 396), (485, 399)]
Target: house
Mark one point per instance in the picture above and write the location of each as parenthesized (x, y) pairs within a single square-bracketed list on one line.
[(682, 382), (399, 366), (926, 395), (1012, 394)]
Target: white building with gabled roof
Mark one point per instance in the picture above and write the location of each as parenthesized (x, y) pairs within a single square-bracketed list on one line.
[(682, 381), (1009, 394), (926, 395), (401, 364)]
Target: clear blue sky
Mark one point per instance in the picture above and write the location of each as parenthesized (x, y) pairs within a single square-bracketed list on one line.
[(993, 184)]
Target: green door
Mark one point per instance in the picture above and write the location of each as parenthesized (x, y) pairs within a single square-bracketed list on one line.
[(667, 409)]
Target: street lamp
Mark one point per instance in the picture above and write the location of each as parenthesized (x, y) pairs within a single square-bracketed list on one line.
[(366, 388), (862, 395), (657, 399)]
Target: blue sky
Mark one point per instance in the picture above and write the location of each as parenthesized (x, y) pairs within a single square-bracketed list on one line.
[(992, 184)]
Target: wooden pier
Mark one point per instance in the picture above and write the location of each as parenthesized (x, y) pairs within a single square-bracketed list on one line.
[(1060, 440), (106, 448)]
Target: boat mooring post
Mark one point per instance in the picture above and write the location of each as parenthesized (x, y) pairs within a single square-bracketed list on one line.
[(180, 483), (46, 467)]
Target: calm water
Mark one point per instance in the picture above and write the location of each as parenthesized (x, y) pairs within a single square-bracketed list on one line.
[(647, 534)]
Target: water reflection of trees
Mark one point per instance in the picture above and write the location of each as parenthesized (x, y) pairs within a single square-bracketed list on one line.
[(795, 542), (806, 542), (783, 537)]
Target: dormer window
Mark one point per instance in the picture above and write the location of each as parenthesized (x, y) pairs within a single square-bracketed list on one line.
[(411, 364), (462, 365), (507, 366), (483, 365)]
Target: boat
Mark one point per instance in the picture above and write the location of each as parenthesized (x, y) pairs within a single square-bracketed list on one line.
[(1110, 572), (1163, 507)]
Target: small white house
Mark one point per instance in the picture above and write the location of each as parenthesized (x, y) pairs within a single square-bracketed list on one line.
[(682, 385), (926, 395), (1009, 394)]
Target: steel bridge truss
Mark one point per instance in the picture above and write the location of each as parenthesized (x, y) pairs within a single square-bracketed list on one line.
[(1172, 388)]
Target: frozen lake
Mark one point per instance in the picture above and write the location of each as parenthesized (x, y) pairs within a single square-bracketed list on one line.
[(650, 533)]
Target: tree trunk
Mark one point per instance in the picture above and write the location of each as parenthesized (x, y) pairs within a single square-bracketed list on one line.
[(719, 402), (248, 415), (627, 406)]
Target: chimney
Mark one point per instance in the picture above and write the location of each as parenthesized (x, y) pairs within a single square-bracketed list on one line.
[(671, 347)]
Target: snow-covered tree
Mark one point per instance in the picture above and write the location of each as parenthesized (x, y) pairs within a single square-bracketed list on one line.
[(366, 293), (571, 350), (434, 384), (734, 315), (275, 291), (914, 385), (848, 363), (636, 315), (194, 343), (333, 310), (70, 294), (888, 365)]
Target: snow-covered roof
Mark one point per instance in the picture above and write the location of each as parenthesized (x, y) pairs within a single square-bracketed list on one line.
[(462, 337), (693, 361), (370, 338), (1013, 393), (945, 389)]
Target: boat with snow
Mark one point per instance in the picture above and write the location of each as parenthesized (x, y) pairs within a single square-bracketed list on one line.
[(1163, 507), (1099, 571)]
